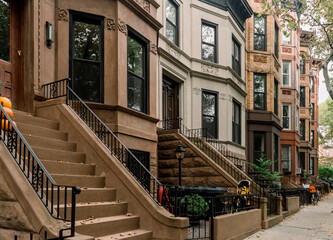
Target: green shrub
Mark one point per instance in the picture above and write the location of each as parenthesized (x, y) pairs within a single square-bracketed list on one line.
[(195, 204)]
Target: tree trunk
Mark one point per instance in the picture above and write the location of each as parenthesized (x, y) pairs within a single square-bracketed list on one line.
[(329, 87)]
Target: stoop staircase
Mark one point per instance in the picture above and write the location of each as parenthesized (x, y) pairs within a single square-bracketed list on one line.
[(98, 212)]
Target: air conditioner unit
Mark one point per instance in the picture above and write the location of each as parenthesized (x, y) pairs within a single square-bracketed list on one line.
[(310, 172), (298, 170)]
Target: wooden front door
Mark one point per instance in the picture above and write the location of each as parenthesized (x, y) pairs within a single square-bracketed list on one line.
[(10, 51), (170, 103)]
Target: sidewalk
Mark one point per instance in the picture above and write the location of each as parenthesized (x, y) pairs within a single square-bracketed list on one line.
[(310, 223)]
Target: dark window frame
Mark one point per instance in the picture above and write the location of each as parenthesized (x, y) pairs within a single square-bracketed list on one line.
[(145, 42), (302, 129), (176, 5), (262, 153), (302, 65), (260, 34), (302, 97), (264, 93), (289, 116), (312, 110), (215, 45), (289, 158), (312, 137), (216, 111), (276, 97), (276, 40), (237, 138), (276, 151), (236, 65), (92, 19)]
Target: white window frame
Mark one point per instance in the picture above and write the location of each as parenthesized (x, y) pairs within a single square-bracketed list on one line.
[(297, 79), (297, 119), (285, 39), (289, 115), (286, 74), (286, 160)]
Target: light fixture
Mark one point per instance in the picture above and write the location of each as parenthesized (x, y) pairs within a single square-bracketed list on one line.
[(180, 154), (49, 34)]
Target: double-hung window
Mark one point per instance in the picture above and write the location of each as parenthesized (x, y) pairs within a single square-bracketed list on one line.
[(302, 65), (236, 122), (259, 91), (312, 110), (259, 146), (302, 129), (286, 67), (276, 41), (209, 42), (286, 158), (286, 123), (302, 96), (286, 36), (276, 97), (312, 138), (137, 71), (209, 112), (259, 37), (236, 57), (297, 119), (171, 11)]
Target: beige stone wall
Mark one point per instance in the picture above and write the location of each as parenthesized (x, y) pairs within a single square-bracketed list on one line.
[(183, 64)]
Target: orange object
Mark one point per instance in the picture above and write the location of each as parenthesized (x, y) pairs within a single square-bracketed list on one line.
[(6, 125), (8, 111), (312, 189), (5, 102)]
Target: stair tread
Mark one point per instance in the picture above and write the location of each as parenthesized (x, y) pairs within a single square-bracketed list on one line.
[(82, 204), (34, 126), (57, 150), (69, 163), (48, 139), (75, 175), (33, 116), (105, 219), (125, 235)]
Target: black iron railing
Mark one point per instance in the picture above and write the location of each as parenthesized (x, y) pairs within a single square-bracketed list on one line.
[(55, 89), (56, 198), (134, 166)]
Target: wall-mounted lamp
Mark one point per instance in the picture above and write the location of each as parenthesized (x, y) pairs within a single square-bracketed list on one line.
[(49, 34)]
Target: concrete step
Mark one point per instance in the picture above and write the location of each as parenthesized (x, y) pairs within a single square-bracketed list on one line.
[(97, 210), (108, 225), (27, 118), (59, 167), (32, 130), (50, 143), (137, 234), (88, 195), (53, 154), (79, 180)]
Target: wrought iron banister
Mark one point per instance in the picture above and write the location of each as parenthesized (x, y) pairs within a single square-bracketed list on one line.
[(129, 160), (51, 194)]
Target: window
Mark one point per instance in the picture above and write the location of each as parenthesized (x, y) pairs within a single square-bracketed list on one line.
[(302, 96), (286, 36), (209, 40), (259, 91), (236, 56), (236, 122), (286, 123), (171, 12), (137, 71), (297, 78), (312, 138), (276, 41), (135, 167), (312, 84), (276, 97), (259, 33), (259, 150), (327, 152), (286, 73), (302, 65), (286, 158), (209, 112), (297, 157), (302, 160), (302, 129), (276, 152), (311, 164), (4, 30), (312, 111), (297, 119)]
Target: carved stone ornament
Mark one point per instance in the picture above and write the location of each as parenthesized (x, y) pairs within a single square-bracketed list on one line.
[(122, 26), (63, 14), (153, 48), (223, 96), (196, 91), (172, 51), (261, 59), (146, 5), (111, 24), (209, 70)]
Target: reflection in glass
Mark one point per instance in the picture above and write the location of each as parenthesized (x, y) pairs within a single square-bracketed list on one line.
[(259, 25), (208, 34), (209, 113), (171, 12), (208, 104), (135, 56), (259, 33), (135, 91), (4, 30), (259, 96), (208, 51), (258, 146), (171, 22)]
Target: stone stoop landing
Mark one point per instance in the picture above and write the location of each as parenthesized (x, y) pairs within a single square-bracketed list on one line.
[(98, 214)]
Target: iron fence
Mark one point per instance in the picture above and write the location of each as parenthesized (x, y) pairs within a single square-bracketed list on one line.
[(59, 200)]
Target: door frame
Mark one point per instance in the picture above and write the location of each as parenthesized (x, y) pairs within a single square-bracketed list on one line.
[(176, 110)]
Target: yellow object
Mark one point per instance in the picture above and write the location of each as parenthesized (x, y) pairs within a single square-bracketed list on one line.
[(8, 111), (6, 125), (5, 102)]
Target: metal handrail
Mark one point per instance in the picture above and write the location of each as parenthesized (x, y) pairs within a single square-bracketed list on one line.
[(109, 139), (49, 192)]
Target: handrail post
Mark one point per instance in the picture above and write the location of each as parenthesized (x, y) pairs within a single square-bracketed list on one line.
[(75, 190)]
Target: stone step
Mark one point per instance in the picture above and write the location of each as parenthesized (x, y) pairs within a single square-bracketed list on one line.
[(108, 225), (137, 234), (59, 167), (27, 118), (167, 137), (50, 143), (53, 154), (79, 180), (169, 154), (32, 130), (168, 145), (97, 210)]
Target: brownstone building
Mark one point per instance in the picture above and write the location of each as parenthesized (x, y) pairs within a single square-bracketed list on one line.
[(290, 142), (263, 86)]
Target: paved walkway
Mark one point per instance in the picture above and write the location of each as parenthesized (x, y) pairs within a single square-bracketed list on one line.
[(310, 223)]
